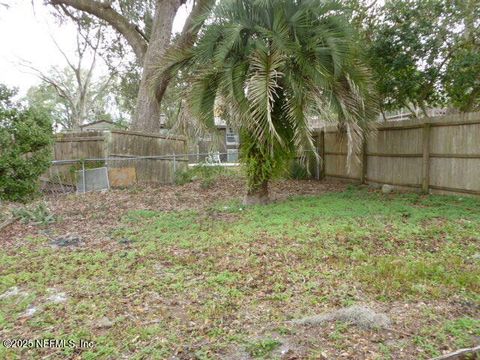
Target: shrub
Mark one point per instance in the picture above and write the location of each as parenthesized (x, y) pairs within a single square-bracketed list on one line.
[(25, 147), (207, 174), (298, 170), (39, 215)]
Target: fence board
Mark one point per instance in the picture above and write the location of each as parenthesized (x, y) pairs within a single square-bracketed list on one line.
[(407, 141), (120, 144), (439, 154), (455, 173), (460, 139), (394, 170), (336, 166)]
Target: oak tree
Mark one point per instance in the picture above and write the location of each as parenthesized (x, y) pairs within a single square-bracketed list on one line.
[(147, 28)]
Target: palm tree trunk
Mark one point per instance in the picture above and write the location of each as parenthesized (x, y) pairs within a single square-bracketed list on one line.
[(258, 195), (258, 173)]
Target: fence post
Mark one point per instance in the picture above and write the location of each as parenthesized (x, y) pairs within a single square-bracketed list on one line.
[(174, 166), (363, 176), (322, 153), (426, 157), (60, 180), (317, 157), (83, 177)]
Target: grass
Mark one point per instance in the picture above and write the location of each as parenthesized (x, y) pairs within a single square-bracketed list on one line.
[(262, 348), (200, 282)]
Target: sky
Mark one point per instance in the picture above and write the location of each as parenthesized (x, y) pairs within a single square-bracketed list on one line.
[(26, 33)]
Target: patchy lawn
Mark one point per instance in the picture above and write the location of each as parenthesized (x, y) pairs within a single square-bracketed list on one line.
[(184, 273)]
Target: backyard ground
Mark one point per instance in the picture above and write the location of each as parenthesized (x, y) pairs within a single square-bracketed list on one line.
[(185, 272)]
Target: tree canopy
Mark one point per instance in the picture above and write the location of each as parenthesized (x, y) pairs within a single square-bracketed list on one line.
[(25, 147), (425, 53)]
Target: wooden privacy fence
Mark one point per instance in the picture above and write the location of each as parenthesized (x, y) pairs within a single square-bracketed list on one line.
[(147, 156), (440, 154)]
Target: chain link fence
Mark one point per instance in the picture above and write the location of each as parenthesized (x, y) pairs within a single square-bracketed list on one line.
[(94, 174), (100, 174)]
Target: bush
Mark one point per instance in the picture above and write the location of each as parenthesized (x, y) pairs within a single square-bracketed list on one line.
[(298, 170), (25, 147)]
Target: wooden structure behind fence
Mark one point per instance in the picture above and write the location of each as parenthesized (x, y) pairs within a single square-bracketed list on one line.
[(440, 154), (120, 144)]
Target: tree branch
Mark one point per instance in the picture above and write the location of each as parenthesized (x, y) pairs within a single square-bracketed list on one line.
[(186, 39), (104, 11), (459, 354), (58, 87)]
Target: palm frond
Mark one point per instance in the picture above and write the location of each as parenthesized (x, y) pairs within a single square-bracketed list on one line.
[(273, 63), (262, 91)]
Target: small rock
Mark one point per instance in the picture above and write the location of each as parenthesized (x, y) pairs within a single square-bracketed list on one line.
[(104, 323), (375, 186), (66, 241), (125, 241), (387, 189), (476, 256)]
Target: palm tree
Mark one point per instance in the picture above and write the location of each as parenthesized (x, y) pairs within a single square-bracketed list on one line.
[(275, 62)]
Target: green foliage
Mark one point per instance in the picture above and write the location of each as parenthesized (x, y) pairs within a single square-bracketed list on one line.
[(408, 35), (463, 330), (262, 348), (274, 62), (261, 166), (424, 52), (126, 89), (207, 175), (39, 215), (25, 147), (462, 79), (298, 170)]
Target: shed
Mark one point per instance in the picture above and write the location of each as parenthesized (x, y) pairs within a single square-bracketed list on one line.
[(99, 125)]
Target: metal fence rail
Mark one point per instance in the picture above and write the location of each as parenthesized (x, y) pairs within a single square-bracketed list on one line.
[(172, 157)]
